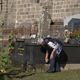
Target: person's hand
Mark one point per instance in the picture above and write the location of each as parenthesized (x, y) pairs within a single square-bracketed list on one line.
[(46, 60)]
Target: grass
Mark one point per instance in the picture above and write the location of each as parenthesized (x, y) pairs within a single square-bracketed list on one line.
[(64, 75)]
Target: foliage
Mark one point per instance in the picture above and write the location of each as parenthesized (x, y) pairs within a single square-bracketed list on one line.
[(4, 59), (11, 42), (1, 21), (76, 33)]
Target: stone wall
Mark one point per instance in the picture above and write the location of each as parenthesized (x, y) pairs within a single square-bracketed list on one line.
[(19, 13), (64, 8)]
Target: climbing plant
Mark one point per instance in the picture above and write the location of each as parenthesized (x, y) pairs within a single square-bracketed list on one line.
[(11, 42), (4, 59), (5, 62)]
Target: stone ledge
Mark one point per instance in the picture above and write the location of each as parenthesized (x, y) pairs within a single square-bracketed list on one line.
[(71, 66), (44, 67)]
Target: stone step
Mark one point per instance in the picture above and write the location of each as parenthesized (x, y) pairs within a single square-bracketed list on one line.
[(71, 67), (44, 67)]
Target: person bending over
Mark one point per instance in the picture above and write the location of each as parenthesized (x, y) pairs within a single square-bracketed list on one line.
[(53, 48)]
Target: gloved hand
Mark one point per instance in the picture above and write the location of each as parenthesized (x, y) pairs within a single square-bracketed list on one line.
[(46, 61)]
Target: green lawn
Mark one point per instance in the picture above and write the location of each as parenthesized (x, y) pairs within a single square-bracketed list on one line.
[(64, 75)]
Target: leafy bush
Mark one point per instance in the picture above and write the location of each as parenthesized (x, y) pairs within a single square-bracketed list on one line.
[(4, 59)]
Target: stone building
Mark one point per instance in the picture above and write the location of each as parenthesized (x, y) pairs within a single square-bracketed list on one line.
[(19, 13)]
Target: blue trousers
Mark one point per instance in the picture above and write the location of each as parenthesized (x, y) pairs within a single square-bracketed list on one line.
[(54, 66)]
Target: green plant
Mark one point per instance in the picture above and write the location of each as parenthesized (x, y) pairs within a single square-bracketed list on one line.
[(1, 20), (11, 42), (4, 59)]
